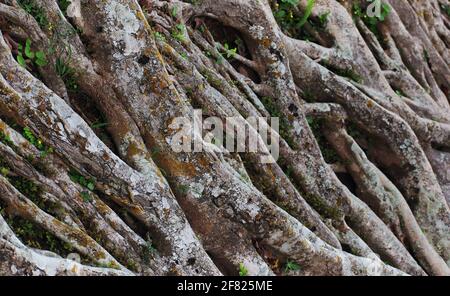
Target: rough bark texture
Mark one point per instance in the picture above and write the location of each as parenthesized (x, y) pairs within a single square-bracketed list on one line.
[(362, 184)]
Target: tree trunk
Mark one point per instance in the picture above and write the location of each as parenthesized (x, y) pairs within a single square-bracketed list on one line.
[(98, 176)]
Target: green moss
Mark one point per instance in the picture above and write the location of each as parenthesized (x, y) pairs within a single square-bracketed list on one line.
[(29, 233), (27, 188), (111, 264), (149, 250), (159, 36), (308, 96), (4, 168), (212, 80), (131, 265), (348, 72), (285, 126), (36, 237), (328, 152), (321, 206), (353, 130), (317, 202)]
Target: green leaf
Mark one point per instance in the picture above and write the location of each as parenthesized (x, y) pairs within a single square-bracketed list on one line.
[(323, 18), (291, 266), (232, 52), (291, 2), (41, 63), (174, 11), (91, 186), (180, 27), (308, 10), (86, 196), (243, 271), (98, 125), (28, 134), (40, 55), (21, 61), (40, 59), (4, 171), (280, 14), (28, 52)]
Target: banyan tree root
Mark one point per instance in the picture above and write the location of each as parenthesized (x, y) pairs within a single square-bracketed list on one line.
[(89, 94)]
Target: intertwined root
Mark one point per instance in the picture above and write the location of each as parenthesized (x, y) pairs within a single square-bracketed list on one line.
[(87, 167)]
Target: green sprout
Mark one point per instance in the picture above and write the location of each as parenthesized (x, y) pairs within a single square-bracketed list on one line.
[(26, 56)]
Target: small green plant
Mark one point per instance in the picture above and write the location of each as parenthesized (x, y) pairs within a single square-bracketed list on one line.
[(228, 51), (160, 36), (150, 247), (86, 196), (306, 14), (4, 171), (31, 7), (6, 139), (99, 125), (290, 21), (63, 4), (36, 237), (284, 13), (174, 11), (358, 10), (323, 19), (400, 93), (184, 55), (66, 73), (446, 8), (291, 2), (35, 141), (426, 56), (178, 32), (291, 266), (26, 56), (183, 188), (155, 151), (87, 183), (243, 271), (148, 250), (28, 134)]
